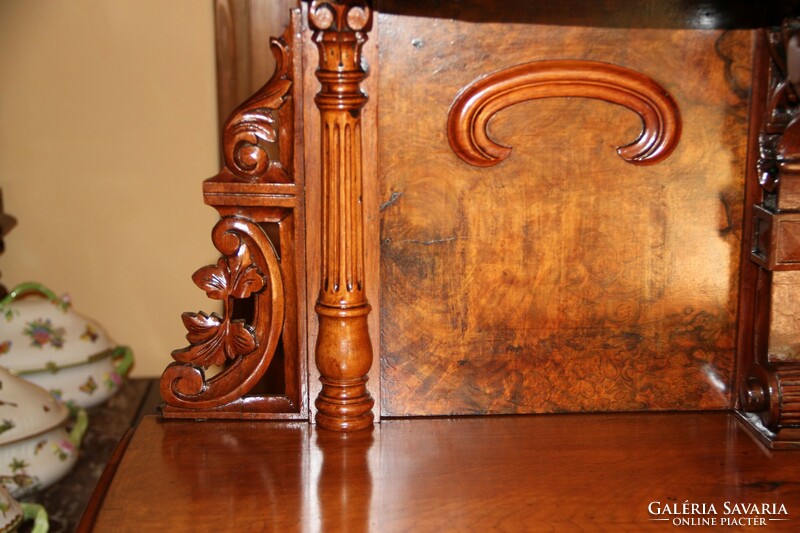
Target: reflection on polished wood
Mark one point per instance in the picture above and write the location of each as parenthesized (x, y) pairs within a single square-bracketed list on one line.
[(452, 474)]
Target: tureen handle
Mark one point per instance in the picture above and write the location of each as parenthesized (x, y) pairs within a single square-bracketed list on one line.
[(37, 513), (125, 356), (32, 286), (80, 427)]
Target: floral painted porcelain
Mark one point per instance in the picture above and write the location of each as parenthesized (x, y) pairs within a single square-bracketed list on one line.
[(44, 341), (12, 514), (36, 450)]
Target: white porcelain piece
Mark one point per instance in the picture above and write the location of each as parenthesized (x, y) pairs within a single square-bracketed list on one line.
[(11, 512), (43, 340), (36, 449)]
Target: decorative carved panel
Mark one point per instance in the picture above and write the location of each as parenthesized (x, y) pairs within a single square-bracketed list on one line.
[(559, 278), (257, 345)]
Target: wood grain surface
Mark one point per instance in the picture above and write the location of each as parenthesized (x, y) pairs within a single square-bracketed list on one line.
[(599, 472), (562, 279)]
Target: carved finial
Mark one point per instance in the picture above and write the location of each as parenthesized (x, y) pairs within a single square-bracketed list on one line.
[(251, 126)]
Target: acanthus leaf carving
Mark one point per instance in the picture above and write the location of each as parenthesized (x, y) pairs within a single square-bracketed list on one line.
[(483, 98), (213, 279), (251, 127), (255, 192), (232, 277), (200, 326), (249, 268), (214, 339)]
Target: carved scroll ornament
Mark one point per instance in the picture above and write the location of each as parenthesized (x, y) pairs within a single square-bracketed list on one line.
[(252, 127), (248, 269), (478, 102)]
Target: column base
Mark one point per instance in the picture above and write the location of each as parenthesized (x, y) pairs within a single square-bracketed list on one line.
[(344, 405)]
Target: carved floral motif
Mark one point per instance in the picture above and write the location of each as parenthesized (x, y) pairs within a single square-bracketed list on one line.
[(249, 268), (215, 339), (258, 189)]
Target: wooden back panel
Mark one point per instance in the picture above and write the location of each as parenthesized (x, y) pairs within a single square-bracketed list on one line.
[(564, 278)]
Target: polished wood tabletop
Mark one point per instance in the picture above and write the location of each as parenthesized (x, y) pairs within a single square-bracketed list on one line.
[(604, 472)]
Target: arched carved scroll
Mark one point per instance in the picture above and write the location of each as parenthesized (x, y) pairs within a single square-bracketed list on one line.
[(251, 128), (478, 102), (249, 268), (257, 340)]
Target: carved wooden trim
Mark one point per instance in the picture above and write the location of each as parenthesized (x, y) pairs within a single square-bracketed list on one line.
[(344, 350), (242, 60), (259, 338), (477, 103), (249, 268), (769, 391), (250, 134)]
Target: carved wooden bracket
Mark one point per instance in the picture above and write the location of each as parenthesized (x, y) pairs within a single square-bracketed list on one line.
[(344, 350), (477, 103), (249, 268), (769, 390), (258, 279)]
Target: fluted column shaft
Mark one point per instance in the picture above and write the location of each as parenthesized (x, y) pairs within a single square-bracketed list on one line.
[(344, 350)]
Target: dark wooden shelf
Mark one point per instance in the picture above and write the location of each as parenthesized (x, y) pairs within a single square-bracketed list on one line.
[(673, 14), (555, 472)]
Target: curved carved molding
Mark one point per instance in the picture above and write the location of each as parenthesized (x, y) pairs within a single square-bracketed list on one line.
[(477, 103), (251, 126), (249, 268)]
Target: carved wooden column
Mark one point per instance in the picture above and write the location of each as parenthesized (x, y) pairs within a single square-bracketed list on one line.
[(343, 351), (256, 347), (769, 390)]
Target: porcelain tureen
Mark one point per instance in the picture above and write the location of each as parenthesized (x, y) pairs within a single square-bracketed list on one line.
[(36, 449), (43, 340)]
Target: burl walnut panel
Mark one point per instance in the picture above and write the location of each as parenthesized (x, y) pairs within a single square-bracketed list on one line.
[(784, 335), (562, 278)]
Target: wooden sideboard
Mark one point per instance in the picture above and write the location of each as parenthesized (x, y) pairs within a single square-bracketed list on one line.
[(552, 247), (589, 472), (387, 253)]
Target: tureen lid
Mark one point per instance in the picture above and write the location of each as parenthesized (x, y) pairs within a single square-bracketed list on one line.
[(40, 331), (26, 409)]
